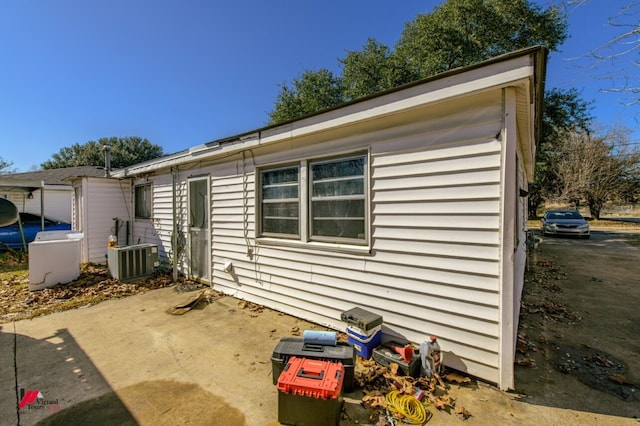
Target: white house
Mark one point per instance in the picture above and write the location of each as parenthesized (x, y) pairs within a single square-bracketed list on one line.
[(410, 204)]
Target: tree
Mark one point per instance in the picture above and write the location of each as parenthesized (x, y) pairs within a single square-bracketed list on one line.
[(6, 166), (457, 33), (564, 114), (462, 32), (373, 69), (312, 91), (124, 152), (598, 169), (622, 52)]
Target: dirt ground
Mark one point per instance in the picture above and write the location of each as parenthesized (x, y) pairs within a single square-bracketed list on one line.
[(579, 336)]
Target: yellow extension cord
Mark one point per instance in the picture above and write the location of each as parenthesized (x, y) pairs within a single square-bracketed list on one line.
[(408, 406)]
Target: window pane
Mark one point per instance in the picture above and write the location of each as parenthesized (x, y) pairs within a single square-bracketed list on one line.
[(280, 210), (280, 226), (198, 203), (143, 201), (339, 228), (274, 177), (282, 191), (338, 209), (338, 187), (341, 168)]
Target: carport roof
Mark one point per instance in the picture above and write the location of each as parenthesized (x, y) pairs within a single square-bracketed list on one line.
[(30, 181)]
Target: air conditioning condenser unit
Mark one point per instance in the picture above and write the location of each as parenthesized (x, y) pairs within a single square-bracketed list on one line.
[(132, 262)]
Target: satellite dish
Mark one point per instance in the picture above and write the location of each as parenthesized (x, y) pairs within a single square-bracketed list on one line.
[(8, 212)]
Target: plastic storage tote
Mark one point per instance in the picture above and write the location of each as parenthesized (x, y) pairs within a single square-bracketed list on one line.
[(289, 347), (310, 392)]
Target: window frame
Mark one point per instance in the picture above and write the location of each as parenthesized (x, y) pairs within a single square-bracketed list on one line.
[(148, 190), (306, 208), (364, 197), (261, 203)]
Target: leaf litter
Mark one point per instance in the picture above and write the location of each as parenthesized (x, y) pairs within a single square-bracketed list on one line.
[(377, 380), (93, 285)]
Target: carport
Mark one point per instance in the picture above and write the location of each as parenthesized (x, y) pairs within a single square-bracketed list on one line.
[(22, 188), (25, 187)]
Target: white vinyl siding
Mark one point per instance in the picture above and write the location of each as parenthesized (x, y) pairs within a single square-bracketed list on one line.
[(435, 260), (108, 199), (157, 228), (434, 263)]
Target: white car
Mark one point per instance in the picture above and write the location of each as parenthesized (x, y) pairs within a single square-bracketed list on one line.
[(565, 222)]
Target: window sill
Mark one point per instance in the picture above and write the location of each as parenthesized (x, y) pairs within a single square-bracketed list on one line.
[(315, 245)]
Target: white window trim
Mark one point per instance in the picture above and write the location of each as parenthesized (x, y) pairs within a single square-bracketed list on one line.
[(135, 201), (259, 190)]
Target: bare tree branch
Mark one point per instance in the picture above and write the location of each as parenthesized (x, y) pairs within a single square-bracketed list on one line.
[(619, 51)]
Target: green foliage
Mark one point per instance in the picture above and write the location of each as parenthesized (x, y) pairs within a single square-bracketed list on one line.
[(373, 69), (462, 32), (311, 92), (124, 152), (457, 33), (6, 166), (564, 111)]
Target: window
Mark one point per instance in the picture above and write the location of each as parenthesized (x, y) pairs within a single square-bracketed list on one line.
[(338, 203), (280, 202), (331, 205), (143, 201)]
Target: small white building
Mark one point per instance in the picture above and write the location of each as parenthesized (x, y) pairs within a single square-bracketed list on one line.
[(101, 208), (410, 204), (45, 191)]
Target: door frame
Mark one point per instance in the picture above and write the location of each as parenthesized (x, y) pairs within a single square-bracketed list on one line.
[(207, 246)]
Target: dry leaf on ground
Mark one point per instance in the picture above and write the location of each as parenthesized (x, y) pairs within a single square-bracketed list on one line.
[(456, 378)]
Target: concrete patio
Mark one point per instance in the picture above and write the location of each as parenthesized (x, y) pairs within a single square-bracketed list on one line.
[(128, 362)]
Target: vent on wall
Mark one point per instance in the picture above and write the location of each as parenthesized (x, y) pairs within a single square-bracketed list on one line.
[(132, 262)]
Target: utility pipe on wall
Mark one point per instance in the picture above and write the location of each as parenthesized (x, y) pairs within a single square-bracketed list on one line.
[(42, 205), (174, 234)]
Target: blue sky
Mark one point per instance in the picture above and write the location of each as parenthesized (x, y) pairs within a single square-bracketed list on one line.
[(181, 73)]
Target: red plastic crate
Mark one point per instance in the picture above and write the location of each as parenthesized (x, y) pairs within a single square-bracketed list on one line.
[(312, 378)]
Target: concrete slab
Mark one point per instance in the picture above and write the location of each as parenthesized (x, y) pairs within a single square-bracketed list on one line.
[(128, 362), (211, 365)]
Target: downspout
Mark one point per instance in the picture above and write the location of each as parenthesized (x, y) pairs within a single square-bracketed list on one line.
[(174, 234)]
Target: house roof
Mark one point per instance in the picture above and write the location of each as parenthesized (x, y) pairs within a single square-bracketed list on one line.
[(30, 181), (402, 98)]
